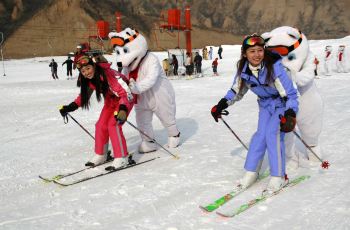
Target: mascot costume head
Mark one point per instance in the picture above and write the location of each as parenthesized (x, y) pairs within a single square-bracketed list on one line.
[(129, 46), (290, 43)]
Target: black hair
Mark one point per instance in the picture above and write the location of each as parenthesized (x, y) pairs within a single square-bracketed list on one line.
[(270, 58), (100, 83)]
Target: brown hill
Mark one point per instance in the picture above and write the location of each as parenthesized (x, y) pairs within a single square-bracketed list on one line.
[(54, 27)]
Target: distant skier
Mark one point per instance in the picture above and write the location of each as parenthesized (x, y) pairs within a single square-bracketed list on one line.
[(188, 65), (214, 65), (69, 63), (175, 64), (220, 52), (316, 62), (166, 66), (327, 60), (205, 53), (211, 53), (340, 62), (118, 102), (53, 66), (198, 62)]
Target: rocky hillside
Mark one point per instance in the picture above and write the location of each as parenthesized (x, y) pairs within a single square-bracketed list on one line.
[(54, 27)]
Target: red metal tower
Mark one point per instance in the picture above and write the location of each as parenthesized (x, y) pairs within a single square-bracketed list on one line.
[(174, 23)]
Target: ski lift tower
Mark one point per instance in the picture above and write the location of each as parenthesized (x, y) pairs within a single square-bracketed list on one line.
[(118, 21), (102, 32), (174, 23)]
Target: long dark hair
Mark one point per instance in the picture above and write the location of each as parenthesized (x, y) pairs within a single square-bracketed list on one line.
[(269, 59), (99, 81)]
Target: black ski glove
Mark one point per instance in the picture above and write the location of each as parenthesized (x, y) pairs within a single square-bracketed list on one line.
[(122, 114), (68, 108), (288, 121), (217, 109)]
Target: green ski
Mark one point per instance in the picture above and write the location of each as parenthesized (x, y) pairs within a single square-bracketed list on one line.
[(262, 198), (229, 196)]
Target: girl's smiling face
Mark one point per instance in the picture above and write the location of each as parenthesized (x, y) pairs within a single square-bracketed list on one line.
[(88, 71), (255, 55)]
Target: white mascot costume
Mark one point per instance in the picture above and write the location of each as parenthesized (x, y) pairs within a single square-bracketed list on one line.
[(154, 92), (293, 46), (327, 60), (340, 62)]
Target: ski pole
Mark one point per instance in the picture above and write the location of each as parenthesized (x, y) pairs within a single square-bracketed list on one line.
[(325, 164), (66, 121), (225, 112), (131, 124)]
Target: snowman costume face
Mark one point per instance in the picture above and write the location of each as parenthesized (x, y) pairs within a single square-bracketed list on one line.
[(290, 43), (129, 46)]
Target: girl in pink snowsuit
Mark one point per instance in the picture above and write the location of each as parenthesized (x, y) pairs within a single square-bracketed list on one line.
[(118, 102)]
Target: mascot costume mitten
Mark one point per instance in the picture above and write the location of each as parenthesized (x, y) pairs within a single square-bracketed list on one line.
[(293, 46), (155, 94)]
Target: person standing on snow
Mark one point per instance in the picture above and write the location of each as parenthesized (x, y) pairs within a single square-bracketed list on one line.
[(316, 62), (166, 66), (211, 53), (175, 64), (205, 53), (53, 66), (69, 63), (220, 52), (155, 94), (198, 62), (214, 65), (188, 64), (340, 60), (262, 71), (118, 102), (327, 60)]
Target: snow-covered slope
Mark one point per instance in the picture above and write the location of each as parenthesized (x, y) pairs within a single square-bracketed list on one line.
[(165, 193)]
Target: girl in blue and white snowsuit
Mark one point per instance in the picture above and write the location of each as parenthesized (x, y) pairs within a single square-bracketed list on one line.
[(263, 73)]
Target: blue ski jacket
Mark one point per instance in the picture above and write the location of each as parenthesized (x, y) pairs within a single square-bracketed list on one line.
[(279, 93)]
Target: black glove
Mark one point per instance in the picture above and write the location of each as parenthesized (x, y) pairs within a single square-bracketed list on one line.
[(288, 121), (68, 108), (217, 109), (122, 114)]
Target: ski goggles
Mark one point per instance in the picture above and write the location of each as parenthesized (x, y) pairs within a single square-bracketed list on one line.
[(285, 50), (119, 41), (253, 40), (83, 61)]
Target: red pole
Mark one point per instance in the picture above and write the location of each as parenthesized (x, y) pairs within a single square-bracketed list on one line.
[(118, 22), (188, 29)]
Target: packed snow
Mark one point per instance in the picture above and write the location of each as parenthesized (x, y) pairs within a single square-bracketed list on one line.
[(164, 193)]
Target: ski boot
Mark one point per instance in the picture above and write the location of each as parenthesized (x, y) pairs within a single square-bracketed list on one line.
[(276, 183), (174, 141), (118, 163), (147, 147), (97, 159), (248, 179)]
